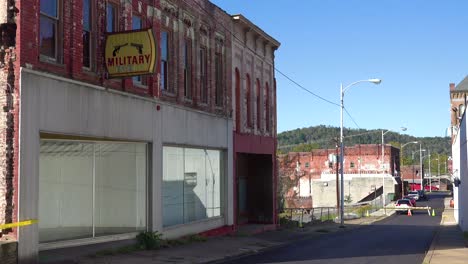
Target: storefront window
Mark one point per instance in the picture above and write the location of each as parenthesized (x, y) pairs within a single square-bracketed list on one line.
[(191, 185), (90, 189)]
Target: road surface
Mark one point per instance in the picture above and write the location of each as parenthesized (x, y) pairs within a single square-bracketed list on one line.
[(397, 239)]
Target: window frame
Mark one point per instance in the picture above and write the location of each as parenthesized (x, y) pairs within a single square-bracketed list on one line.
[(115, 21), (139, 80), (219, 79), (165, 86), (267, 107), (92, 32), (203, 67), (187, 53), (258, 102), (247, 97), (58, 31)]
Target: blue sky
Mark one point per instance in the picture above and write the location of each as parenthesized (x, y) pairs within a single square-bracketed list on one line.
[(416, 47)]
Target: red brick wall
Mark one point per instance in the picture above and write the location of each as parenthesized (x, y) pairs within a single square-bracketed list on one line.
[(202, 11), (316, 162), (8, 125)]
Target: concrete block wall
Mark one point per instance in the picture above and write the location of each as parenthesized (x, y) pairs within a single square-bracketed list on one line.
[(324, 191), (360, 161)]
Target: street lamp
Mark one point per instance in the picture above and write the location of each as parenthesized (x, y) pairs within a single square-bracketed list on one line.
[(401, 163), (420, 165), (342, 92), (420, 157), (438, 168), (383, 168)]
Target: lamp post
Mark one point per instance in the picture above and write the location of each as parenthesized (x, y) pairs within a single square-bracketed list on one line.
[(420, 158), (420, 165), (383, 168), (342, 92), (438, 168), (401, 163), (430, 173)]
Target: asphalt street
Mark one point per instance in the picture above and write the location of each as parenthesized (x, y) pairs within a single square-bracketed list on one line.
[(397, 239)]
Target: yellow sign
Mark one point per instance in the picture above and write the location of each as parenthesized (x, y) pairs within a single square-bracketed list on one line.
[(130, 53)]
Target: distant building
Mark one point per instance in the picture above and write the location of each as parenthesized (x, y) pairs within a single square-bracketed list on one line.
[(312, 175), (458, 97), (458, 166)]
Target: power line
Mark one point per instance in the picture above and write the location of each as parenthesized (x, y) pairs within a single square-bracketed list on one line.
[(305, 89), (352, 119), (253, 51)]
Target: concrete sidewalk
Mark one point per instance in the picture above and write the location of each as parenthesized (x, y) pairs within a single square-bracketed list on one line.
[(214, 250), (448, 245)]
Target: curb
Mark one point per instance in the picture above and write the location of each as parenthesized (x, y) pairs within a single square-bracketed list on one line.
[(431, 250)]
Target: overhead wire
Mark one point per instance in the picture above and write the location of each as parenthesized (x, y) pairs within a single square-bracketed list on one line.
[(276, 69), (352, 119)]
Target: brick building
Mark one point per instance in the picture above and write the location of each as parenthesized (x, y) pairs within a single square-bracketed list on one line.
[(309, 172), (254, 87), (458, 95), (100, 159)]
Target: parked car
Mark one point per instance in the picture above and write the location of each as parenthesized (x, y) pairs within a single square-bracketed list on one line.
[(431, 188), (414, 195), (403, 205), (411, 199), (422, 195)]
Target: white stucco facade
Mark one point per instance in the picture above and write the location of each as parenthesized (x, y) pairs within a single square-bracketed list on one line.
[(460, 172), (59, 106)]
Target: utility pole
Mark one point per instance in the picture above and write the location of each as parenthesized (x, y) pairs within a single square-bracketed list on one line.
[(337, 177), (420, 165), (438, 168), (430, 173)]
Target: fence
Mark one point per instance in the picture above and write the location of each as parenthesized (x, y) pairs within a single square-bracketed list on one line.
[(324, 214)]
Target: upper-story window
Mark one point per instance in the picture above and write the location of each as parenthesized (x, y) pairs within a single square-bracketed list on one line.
[(164, 60), (461, 110), (111, 17), (258, 102), (87, 33), (50, 36), (267, 107), (247, 100), (203, 75), (137, 23), (219, 76), (188, 68)]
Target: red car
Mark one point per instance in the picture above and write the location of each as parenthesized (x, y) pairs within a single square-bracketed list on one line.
[(411, 199), (430, 188)]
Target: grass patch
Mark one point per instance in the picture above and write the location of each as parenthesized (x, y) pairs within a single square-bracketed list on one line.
[(361, 211), (328, 217), (197, 238), (149, 240)]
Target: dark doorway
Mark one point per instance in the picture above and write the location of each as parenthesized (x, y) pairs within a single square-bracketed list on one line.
[(254, 174)]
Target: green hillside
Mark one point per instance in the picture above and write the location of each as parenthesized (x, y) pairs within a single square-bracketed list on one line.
[(319, 137)]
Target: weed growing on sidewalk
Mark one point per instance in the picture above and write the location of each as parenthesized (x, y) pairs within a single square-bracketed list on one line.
[(149, 240)]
